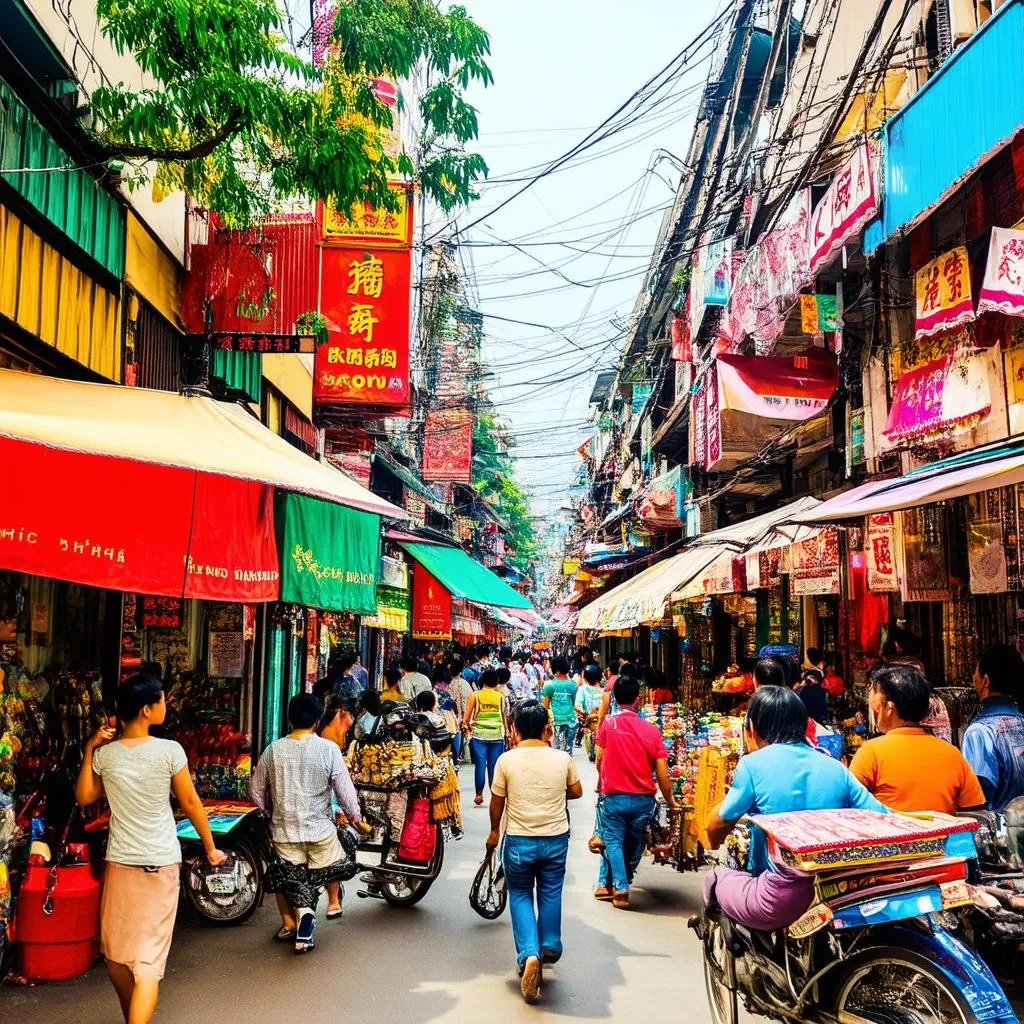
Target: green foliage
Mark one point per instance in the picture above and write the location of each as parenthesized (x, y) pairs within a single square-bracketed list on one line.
[(241, 122), (494, 478)]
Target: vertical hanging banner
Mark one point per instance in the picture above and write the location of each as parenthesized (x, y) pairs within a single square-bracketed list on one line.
[(448, 446), (880, 549), (330, 555), (849, 203), (431, 607), (943, 290), (714, 419)]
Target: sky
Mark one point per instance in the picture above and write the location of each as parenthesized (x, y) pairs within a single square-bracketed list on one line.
[(561, 67)]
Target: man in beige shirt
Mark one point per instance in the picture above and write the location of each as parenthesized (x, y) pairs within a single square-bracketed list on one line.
[(531, 785)]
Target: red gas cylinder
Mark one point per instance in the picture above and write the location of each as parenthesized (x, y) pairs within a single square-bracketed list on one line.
[(65, 943)]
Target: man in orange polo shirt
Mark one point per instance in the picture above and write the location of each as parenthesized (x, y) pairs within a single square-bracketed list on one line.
[(907, 768)]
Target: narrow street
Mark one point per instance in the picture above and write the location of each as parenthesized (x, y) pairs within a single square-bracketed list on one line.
[(438, 962)]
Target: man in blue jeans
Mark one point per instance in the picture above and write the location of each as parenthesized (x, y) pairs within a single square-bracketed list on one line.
[(531, 785), (630, 756)]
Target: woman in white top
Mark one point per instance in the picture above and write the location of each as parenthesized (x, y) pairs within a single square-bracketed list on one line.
[(530, 788), (137, 774)]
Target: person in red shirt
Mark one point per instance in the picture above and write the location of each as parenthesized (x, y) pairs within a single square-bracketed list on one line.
[(630, 756)]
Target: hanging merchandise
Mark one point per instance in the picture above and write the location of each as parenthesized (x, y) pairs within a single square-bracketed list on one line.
[(943, 290), (682, 350), (882, 577), (924, 554), (986, 550), (1002, 291), (815, 564)]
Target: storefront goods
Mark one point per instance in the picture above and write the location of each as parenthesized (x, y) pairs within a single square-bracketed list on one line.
[(880, 548), (943, 292), (815, 564), (1002, 291)]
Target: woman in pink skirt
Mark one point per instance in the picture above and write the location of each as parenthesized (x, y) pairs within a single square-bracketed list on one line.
[(137, 773)]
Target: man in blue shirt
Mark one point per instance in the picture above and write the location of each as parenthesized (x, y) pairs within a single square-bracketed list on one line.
[(994, 741)]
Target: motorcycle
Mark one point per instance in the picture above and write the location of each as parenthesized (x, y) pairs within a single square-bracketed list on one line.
[(876, 951), (994, 922)]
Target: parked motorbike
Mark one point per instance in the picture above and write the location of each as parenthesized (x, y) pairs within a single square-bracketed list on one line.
[(994, 923), (884, 956)]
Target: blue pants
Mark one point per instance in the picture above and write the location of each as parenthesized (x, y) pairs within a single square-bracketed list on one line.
[(623, 827), (457, 741), (485, 757), (565, 736), (535, 865)]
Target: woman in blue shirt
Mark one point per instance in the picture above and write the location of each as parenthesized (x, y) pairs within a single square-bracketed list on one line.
[(780, 772)]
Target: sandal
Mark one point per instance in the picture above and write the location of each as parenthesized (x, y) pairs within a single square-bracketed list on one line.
[(334, 915), (285, 934), (478, 799)]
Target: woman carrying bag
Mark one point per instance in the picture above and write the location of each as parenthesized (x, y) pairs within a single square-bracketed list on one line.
[(137, 774), (532, 783)]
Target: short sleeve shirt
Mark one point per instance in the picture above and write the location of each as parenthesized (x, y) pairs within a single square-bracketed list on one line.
[(137, 782), (533, 781), (789, 777), (994, 747), (562, 694), (630, 747), (891, 768)]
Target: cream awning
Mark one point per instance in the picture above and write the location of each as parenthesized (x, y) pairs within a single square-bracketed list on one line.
[(163, 428), (642, 598)]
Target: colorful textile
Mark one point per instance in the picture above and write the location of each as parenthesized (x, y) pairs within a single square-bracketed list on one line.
[(992, 745), (943, 290)]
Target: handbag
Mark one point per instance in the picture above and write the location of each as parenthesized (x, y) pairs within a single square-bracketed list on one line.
[(487, 894)]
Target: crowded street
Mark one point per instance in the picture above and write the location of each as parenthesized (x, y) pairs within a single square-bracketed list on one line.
[(437, 962), (511, 511)]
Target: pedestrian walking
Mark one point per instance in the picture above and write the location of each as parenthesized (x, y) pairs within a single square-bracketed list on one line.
[(559, 697), (531, 786), (485, 724), (630, 756), (413, 680), (293, 784), (137, 774)]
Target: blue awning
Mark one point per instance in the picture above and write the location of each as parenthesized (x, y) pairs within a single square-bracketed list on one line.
[(965, 113)]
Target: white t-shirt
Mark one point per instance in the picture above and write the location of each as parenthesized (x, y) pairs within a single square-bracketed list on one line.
[(533, 781), (137, 781)]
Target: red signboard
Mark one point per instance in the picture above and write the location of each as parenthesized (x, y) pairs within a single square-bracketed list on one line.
[(448, 445), (136, 526), (365, 298), (431, 607)]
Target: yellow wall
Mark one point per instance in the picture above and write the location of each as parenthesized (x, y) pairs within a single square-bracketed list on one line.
[(151, 272), (292, 375), (51, 298)]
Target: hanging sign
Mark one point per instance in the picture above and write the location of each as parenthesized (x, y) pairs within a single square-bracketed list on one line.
[(365, 297), (716, 271), (330, 555), (713, 411), (369, 225), (943, 291), (814, 564), (431, 607), (448, 445), (234, 341), (1002, 291), (845, 208), (880, 549)]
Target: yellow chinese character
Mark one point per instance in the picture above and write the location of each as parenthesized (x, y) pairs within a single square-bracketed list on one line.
[(334, 355), (362, 321), (354, 356), (367, 276), (388, 357), (372, 357)]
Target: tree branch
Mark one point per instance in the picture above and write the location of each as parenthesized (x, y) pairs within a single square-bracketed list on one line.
[(196, 152)]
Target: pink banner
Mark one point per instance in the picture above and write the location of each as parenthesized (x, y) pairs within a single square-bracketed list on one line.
[(846, 207), (943, 397), (1003, 288), (714, 418)]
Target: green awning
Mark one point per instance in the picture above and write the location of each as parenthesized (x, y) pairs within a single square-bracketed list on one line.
[(464, 577)]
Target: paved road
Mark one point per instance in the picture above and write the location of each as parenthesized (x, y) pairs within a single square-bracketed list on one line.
[(437, 962)]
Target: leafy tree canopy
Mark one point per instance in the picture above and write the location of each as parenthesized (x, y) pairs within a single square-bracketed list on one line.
[(240, 119), (494, 477)]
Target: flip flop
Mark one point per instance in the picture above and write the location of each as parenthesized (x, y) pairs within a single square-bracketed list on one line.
[(334, 915), (285, 934)]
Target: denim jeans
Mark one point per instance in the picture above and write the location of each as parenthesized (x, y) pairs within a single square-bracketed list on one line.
[(565, 736), (624, 821), (535, 864), (485, 757), (457, 740)]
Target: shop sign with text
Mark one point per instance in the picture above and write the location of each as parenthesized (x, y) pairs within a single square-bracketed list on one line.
[(365, 296), (943, 292), (369, 225), (431, 607)]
